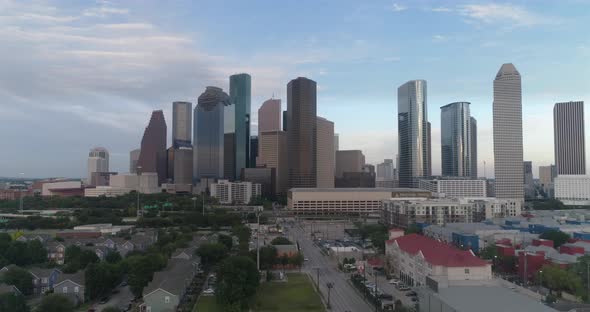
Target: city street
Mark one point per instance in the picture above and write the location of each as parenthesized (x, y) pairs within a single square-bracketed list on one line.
[(343, 296)]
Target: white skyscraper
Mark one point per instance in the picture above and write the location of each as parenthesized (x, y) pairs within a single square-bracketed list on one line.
[(98, 161), (508, 162)]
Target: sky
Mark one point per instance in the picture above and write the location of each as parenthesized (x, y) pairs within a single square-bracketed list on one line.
[(79, 74)]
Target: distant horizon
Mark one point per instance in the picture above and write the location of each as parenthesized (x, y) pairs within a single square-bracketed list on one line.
[(79, 75)]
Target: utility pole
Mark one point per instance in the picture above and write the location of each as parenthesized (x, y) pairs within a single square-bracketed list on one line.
[(375, 292), (330, 286), (318, 280)]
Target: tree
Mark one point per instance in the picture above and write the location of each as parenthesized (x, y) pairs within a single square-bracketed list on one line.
[(113, 257), (141, 269), (72, 253), (268, 257), (18, 253), (297, 260), (211, 253), (55, 303), (37, 251), (281, 240), (111, 309), (10, 302), (87, 257), (413, 229), (238, 279), (284, 260), (21, 278), (558, 237), (243, 233), (226, 240), (489, 252), (101, 278)]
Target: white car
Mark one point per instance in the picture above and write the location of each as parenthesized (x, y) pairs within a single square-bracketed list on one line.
[(394, 282), (208, 291), (306, 259)]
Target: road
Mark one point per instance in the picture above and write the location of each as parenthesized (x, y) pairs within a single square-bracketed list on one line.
[(343, 297), (118, 300)]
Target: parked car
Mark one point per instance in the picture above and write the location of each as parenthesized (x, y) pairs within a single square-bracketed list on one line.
[(104, 300), (414, 299), (208, 291), (411, 294), (403, 287), (386, 296), (394, 282)]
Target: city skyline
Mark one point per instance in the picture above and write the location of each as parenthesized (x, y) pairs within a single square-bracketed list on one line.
[(114, 114)]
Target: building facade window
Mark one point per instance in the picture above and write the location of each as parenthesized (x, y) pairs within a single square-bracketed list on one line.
[(167, 299), (65, 290)]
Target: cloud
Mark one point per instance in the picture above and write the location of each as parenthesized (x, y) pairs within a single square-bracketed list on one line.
[(105, 11), (501, 13), (397, 7), (439, 38)]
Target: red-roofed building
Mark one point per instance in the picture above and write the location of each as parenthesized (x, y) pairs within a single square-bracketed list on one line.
[(413, 257)]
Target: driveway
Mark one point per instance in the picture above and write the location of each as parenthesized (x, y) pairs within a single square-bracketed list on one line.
[(119, 300)]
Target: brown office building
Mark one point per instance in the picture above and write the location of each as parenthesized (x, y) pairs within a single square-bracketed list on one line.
[(269, 116), (272, 153), (301, 133), (152, 157), (325, 153)]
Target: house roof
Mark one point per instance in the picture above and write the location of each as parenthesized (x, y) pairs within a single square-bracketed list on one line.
[(41, 272), (77, 278), (437, 253), (5, 288), (172, 279)]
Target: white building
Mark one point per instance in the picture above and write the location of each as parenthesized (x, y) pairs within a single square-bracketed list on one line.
[(107, 191), (98, 161), (414, 257), (403, 212), (235, 192), (573, 189), (55, 188), (146, 183), (453, 188)]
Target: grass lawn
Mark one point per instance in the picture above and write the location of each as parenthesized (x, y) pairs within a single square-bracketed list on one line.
[(207, 304), (295, 295)]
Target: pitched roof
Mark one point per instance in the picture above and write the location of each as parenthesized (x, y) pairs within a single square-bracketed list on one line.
[(437, 253), (172, 279), (77, 278), (41, 272)]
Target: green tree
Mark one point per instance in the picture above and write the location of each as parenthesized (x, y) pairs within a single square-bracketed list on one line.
[(281, 240), (37, 251), (297, 260), (243, 233), (211, 253), (21, 278), (18, 253), (413, 229), (268, 257), (558, 237), (113, 257), (238, 279), (489, 252), (226, 240), (55, 303), (141, 269), (284, 260), (101, 278), (111, 309), (10, 302)]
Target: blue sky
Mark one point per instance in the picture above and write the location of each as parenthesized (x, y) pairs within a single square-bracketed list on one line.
[(80, 74)]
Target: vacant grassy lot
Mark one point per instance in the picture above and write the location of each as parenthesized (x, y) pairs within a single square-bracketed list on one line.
[(296, 295)]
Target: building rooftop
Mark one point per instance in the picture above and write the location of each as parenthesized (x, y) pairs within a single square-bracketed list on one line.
[(358, 189), (77, 278), (436, 252), (489, 298), (173, 279)]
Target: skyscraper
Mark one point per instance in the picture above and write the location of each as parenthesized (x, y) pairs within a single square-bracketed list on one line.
[(508, 163), (385, 170), (269, 116), (152, 157), (98, 162), (272, 153), (325, 153), (473, 128), (529, 183), (301, 132), (133, 158), (455, 139), (253, 151), (569, 137), (182, 161), (240, 96), (208, 135), (413, 133), (349, 161)]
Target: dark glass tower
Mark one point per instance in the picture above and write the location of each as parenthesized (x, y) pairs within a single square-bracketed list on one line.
[(413, 132), (455, 119), (240, 96), (153, 157), (301, 134)]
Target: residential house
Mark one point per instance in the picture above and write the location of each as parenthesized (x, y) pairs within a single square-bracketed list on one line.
[(71, 286), (168, 287), (56, 252), (43, 238), (125, 247), (184, 253), (43, 279), (5, 289)]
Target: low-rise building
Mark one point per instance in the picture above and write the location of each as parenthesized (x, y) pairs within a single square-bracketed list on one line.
[(235, 192), (455, 188), (62, 188), (56, 252), (403, 212), (573, 190), (440, 295), (43, 279), (168, 287), (359, 201), (415, 257), (71, 286)]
